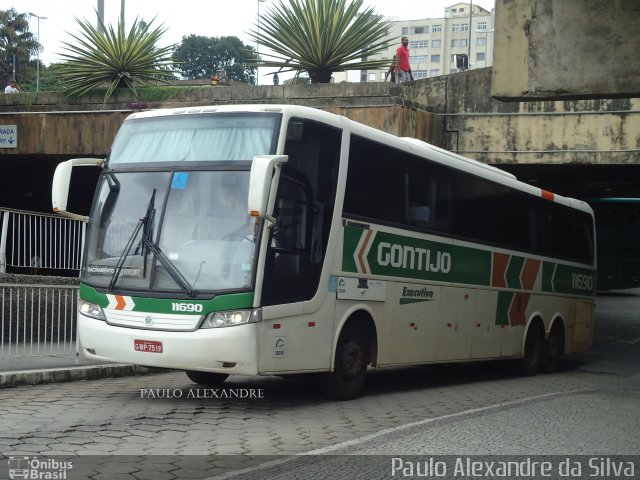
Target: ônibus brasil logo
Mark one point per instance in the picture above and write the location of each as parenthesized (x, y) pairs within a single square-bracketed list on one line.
[(36, 469)]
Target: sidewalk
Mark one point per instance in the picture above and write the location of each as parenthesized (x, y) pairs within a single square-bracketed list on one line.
[(64, 367)]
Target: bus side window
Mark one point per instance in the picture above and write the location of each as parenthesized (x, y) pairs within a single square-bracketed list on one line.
[(291, 233), (304, 208), (418, 189), (287, 272), (441, 216), (429, 197), (376, 183)]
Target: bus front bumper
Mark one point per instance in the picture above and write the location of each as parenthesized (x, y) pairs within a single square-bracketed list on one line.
[(229, 350)]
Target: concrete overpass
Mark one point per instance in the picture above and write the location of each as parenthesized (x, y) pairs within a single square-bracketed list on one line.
[(584, 147)]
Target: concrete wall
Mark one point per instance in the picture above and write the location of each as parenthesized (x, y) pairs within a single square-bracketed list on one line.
[(593, 131), (49, 124), (456, 112), (566, 48), (63, 133)]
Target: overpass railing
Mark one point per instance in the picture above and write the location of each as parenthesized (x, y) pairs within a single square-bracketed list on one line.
[(31, 241)]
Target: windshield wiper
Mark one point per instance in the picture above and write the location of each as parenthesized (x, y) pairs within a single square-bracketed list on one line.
[(146, 223), (143, 222), (171, 269)]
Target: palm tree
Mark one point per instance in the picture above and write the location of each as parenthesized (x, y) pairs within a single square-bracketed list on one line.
[(15, 40), (321, 37), (115, 58)]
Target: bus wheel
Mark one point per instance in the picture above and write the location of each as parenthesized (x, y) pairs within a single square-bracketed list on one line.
[(352, 358), (206, 378), (533, 348), (553, 348)]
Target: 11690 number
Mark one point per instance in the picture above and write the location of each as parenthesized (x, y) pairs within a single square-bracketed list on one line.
[(581, 281), (186, 307)]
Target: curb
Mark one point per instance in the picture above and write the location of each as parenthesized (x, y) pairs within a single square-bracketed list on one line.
[(70, 374)]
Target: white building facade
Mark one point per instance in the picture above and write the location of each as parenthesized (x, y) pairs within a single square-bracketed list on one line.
[(434, 43)]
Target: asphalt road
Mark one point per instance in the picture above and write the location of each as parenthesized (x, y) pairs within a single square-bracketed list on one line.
[(163, 426)]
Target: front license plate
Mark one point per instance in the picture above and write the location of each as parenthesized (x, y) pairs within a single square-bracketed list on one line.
[(150, 346)]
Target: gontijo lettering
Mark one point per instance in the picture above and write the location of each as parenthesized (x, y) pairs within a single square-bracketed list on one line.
[(413, 258)]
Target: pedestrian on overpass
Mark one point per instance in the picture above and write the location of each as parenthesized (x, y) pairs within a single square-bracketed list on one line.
[(13, 87), (403, 71)]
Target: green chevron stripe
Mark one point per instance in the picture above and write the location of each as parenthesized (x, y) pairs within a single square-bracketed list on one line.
[(502, 310), (164, 305), (513, 272), (547, 276), (402, 256)]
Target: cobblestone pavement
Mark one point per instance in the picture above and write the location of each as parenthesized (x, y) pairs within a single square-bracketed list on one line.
[(116, 424)]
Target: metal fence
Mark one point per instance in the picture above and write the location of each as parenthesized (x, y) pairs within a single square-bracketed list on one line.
[(36, 241), (37, 320)]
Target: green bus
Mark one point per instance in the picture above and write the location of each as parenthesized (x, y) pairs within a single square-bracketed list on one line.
[(618, 231)]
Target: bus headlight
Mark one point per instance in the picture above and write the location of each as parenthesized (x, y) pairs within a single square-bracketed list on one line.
[(89, 309), (231, 318)]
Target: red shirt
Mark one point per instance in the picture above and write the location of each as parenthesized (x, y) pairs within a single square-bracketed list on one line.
[(403, 58)]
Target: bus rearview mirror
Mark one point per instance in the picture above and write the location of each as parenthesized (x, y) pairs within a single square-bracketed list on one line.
[(265, 173), (61, 184)]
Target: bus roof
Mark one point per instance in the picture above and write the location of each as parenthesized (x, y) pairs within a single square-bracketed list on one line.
[(459, 157)]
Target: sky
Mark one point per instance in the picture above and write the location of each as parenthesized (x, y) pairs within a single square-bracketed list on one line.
[(210, 18)]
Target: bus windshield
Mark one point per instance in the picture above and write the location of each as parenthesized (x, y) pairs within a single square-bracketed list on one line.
[(196, 138), (196, 227)]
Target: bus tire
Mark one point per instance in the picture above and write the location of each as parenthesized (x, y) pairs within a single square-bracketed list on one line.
[(533, 348), (206, 378), (352, 358), (553, 349)]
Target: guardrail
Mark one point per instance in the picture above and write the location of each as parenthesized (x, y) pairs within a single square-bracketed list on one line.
[(33, 241), (37, 320)]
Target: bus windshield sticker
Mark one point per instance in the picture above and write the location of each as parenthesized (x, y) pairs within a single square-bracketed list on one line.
[(333, 284), (342, 286), (179, 181), (129, 272), (364, 226), (279, 347)]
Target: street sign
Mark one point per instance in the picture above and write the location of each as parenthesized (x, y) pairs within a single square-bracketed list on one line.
[(8, 136)]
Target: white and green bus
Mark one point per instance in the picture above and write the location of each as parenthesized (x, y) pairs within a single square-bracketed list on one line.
[(275, 240)]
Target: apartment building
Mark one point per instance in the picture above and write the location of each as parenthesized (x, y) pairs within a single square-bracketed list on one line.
[(434, 42)]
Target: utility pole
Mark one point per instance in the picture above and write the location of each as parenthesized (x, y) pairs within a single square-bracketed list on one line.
[(100, 11), (258, 45), (37, 64), (470, 30)]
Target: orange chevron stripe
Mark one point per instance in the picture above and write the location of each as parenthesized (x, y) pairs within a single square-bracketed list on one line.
[(518, 309), (500, 264), (362, 250), (530, 273), (121, 302)]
